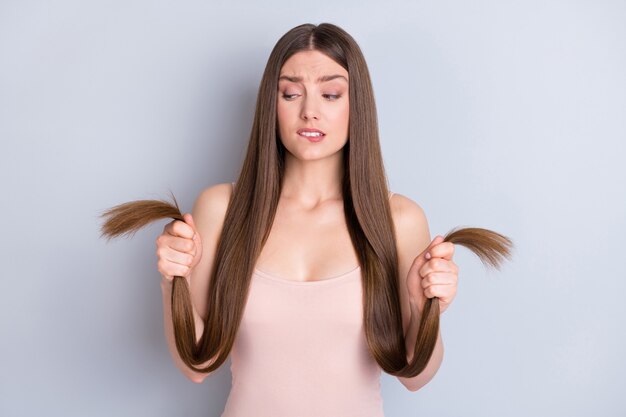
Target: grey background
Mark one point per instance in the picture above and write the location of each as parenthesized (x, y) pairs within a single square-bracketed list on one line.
[(504, 115)]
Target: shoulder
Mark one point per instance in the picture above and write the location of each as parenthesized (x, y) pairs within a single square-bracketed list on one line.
[(213, 199), (411, 229), (408, 216), (210, 207)]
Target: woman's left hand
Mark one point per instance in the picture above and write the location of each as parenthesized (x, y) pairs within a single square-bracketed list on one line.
[(436, 276)]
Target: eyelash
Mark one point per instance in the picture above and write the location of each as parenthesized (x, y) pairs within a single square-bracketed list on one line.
[(335, 96)]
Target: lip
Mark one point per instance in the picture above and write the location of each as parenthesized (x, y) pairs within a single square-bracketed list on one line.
[(310, 130)]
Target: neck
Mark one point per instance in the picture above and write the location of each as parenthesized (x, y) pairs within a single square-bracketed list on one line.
[(311, 182)]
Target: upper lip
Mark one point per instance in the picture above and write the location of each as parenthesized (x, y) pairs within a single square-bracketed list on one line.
[(306, 129)]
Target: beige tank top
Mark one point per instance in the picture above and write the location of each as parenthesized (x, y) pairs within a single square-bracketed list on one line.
[(301, 351)]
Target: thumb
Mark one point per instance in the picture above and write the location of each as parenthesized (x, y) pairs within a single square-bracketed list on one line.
[(437, 240), (423, 257), (189, 220)]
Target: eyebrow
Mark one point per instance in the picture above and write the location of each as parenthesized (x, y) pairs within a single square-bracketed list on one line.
[(321, 79)]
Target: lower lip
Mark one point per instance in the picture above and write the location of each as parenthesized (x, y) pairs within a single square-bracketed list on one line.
[(314, 138)]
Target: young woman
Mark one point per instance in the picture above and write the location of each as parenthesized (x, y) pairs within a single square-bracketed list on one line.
[(307, 271)]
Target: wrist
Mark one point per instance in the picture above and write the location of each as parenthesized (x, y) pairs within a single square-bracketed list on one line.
[(165, 283), (416, 309)]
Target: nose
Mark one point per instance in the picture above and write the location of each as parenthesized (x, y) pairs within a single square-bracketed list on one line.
[(309, 108)]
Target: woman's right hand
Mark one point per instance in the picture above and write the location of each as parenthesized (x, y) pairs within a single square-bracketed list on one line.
[(179, 248)]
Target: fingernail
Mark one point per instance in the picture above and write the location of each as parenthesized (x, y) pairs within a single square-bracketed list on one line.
[(427, 256)]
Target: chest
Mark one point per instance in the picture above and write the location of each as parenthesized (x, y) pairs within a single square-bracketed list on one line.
[(308, 245)]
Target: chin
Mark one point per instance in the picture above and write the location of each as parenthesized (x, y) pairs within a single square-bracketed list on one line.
[(317, 154)]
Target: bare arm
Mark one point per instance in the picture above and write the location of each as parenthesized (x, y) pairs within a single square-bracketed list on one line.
[(418, 381), (412, 238), (208, 215), (166, 289)]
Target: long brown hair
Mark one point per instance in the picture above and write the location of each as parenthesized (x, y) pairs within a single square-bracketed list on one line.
[(252, 207)]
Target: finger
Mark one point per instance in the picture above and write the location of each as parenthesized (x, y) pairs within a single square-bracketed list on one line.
[(180, 258), (189, 220), (197, 242), (439, 291), (168, 227), (182, 229), (428, 293), (437, 240), (437, 265), (178, 270), (438, 279), (196, 235), (443, 250), (421, 259), (181, 244), (426, 252)]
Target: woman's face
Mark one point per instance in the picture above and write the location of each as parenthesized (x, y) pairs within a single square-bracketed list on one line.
[(307, 102)]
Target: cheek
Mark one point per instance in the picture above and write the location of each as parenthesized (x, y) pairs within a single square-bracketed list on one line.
[(343, 116), (284, 114)]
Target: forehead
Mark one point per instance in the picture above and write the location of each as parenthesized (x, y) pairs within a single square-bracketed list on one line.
[(310, 65)]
